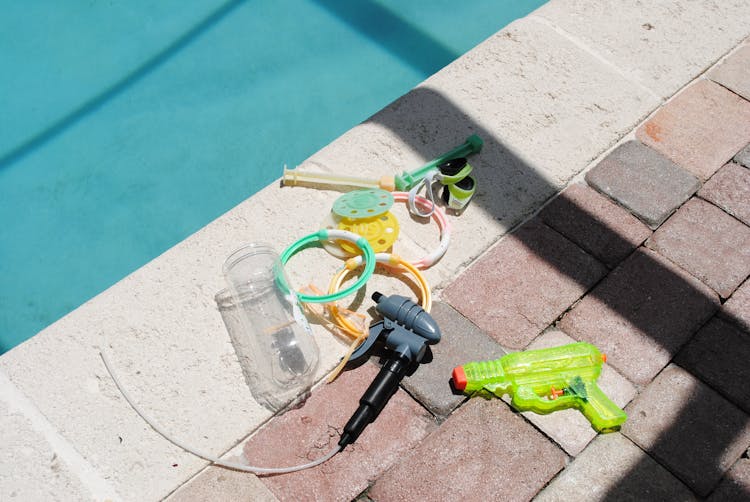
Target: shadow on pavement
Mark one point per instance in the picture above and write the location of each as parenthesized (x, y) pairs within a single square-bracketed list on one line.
[(511, 190)]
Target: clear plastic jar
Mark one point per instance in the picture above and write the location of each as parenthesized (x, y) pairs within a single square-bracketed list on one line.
[(269, 332)]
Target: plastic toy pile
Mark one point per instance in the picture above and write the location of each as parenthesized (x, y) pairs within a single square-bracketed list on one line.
[(268, 319)]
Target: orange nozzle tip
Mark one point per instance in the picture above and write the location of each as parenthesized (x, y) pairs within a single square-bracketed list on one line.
[(459, 378), (604, 358)]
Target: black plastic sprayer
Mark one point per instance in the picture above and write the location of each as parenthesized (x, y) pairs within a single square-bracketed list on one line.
[(405, 333)]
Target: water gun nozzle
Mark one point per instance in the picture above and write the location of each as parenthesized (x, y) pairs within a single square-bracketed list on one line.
[(459, 378)]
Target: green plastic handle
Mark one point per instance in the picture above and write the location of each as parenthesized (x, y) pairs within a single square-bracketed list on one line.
[(604, 415), (407, 180)]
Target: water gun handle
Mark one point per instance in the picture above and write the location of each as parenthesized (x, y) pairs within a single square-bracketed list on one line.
[(604, 415), (599, 410)]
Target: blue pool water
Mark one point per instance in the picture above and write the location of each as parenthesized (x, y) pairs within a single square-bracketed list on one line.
[(128, 125)]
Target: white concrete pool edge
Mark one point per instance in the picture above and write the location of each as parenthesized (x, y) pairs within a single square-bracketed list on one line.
[(553, 91)]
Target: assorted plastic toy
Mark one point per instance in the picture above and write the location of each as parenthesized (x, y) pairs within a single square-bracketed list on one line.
[(274, 343), (546, 380), (403, 182)]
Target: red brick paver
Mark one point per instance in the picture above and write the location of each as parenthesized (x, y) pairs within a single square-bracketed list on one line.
[(708, 243), (729, 189), (736, 484), (689, 428), (734, 72), (737, 308), (309, 432), (641, 314), (719, 355), (482, 452), (743, 157), (613, 468), (595, 223), (523, 284), (700, 129)]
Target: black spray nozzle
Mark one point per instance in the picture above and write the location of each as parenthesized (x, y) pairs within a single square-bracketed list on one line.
[(406, 331)]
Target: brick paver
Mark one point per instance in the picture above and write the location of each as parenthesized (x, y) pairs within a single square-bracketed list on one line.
[(729, 189), (737, 308), (644, 181), (743, 157), (309, 432), (595, 223), (641, 314), (461, 343), (735, 485), (734, 72), (718, 354), (569, 428), (523, 284), (688, 428), (482, 452), (700, 129), (613, 468), (708, 243)]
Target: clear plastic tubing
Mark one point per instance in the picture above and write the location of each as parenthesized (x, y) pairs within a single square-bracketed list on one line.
[(190, 449)]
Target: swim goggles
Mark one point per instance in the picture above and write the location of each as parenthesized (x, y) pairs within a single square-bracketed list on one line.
[(459, 186)]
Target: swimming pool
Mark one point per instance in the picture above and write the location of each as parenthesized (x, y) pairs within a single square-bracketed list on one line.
[(130, 125)]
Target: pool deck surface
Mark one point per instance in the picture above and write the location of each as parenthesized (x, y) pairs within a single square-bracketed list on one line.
[(613, 207)]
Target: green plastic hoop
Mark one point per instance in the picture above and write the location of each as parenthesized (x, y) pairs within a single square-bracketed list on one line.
[(324, 235)]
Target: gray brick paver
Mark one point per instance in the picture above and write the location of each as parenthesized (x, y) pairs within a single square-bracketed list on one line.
[(461, 343), (644, 181)]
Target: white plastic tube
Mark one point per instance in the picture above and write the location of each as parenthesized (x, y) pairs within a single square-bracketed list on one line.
[(292, 177), (190, 449)]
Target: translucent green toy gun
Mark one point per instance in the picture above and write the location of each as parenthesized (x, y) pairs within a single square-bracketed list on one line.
[(546, 380)]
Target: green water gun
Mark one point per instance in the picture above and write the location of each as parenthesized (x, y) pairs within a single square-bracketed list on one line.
[(546, 380)]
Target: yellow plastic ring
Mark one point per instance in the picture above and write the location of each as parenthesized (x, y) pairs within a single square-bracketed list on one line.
[(383, 258)]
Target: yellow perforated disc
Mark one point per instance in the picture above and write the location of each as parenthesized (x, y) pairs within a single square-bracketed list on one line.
[(381, 232)]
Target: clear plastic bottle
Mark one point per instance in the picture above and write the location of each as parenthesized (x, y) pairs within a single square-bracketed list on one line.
[(269, 332)]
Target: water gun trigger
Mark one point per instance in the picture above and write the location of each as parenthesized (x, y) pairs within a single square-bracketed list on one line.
[(365, 347), (555, 393), (525, 399)]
